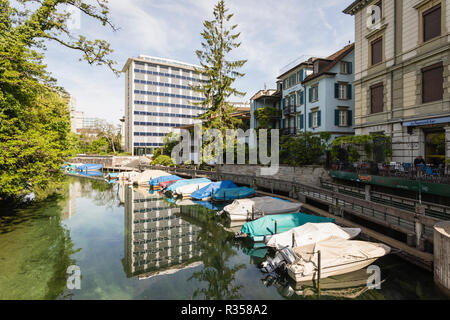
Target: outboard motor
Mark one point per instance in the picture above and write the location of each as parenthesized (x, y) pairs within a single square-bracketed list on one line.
[(282, 258)]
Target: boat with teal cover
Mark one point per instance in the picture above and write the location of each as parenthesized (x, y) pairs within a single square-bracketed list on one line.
[(157, 181), (261, 227), (207, 191), (90, 167), (228, 194), (181, 183)]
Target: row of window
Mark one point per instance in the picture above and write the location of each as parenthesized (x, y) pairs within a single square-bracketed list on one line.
[(141, 144), (164, 104), (165, 68), (172, 95), (163, 74), (342, 118), (162, 84), (157, 124), (162, 114), (342, 91), (432, 88), (150, 134)]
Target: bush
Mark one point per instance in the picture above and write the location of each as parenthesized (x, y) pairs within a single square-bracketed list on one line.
[(163, 160)]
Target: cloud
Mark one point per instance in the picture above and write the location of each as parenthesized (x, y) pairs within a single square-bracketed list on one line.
[(272, 35)]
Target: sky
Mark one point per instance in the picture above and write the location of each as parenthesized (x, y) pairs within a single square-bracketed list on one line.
[(273, 34)]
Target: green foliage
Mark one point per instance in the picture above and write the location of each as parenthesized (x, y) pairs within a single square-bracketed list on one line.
[(171, 140), (157, 152), (35, 136), (303, 149), (355, 148), (163, 160), (219, 40), (266, 115)]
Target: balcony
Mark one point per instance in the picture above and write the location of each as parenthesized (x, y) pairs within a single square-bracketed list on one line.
[(290, 109)]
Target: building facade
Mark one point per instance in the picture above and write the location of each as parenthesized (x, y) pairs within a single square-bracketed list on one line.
[(317, 95), (263, 99), (402, 74), (158, 100)]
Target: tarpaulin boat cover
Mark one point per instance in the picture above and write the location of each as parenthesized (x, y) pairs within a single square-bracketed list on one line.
[(157, 181), (89, 167), (211, 188), (145, 177), (242, 209), (310, 233), (186, 190), (165, 184), (257, 229), (226, 194), (181, 183), (338, 256), (91, 173), (209, 205)]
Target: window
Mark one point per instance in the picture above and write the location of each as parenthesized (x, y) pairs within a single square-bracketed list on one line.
[(377, 50), (315, 93), (432, 83), (377, 98), (432, 23), (343, 118), (342, 91), (315, 119), (344, 67)]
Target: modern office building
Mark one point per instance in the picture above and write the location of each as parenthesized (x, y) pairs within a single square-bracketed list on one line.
[(158, 100), (402, 75)]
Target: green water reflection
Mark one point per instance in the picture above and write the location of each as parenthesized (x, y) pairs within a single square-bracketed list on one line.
[(130, 244)]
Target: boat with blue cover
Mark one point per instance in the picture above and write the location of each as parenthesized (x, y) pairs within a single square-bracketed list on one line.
[(171, 189), (90, 167), (228, 194), (206, 192), (154, 183), (278, 223), (90, 173)]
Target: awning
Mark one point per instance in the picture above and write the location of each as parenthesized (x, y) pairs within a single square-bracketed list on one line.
[(426, 122)]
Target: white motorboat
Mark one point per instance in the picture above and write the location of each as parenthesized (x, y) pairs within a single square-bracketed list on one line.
[(310, 233), (186, 190), (257, 207), (338, 256)]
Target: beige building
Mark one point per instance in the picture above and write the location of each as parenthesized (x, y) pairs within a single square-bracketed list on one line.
[(158, 100), (402, 74)]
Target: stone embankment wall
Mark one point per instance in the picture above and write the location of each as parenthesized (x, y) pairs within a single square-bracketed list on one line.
[(307, 175), (107, 161), (442, 255)]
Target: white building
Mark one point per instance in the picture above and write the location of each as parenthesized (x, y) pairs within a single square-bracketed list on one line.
[(158, 99)]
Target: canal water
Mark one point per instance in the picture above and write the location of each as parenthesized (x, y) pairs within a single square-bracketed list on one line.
[(129, 243)]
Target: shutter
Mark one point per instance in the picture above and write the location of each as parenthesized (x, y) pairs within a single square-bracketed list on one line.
[(336, 90), (349, 118), (336, 117), (283, 103), (295, 99), (349, 91), (310, 94), (377, 51), (302, 121), (432, 83), (319, 118), (310, 120), (350, 67), (432, 23), (377, 98), (301, 97)]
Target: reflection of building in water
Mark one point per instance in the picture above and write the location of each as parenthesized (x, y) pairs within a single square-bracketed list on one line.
[(157, 241), (74, 192)]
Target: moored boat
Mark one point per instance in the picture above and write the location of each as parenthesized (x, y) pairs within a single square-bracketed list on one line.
[(171, 189), (229, 194), (206, 192), (186, 190), (278, 223), (165, 184), (144, 178), (254, 208), (90, 167), (155, 182), (310, 233), (337, 256)]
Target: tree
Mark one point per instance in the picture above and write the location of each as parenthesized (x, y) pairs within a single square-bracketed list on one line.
[(110, 132), (35, 134), (219, 41)]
